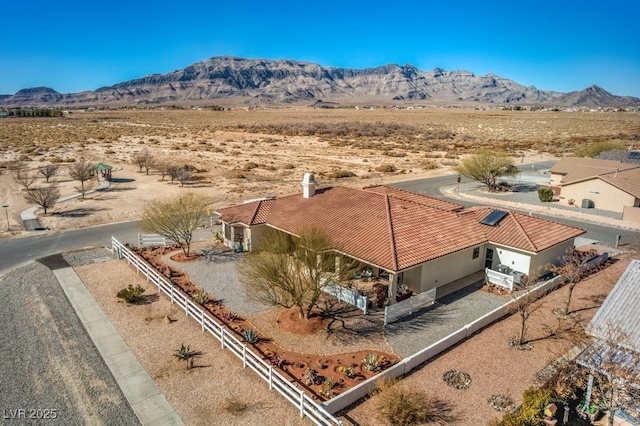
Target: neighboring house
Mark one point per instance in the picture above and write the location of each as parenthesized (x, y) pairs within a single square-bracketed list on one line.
[(620, 311), (419, 241), (603, 184)]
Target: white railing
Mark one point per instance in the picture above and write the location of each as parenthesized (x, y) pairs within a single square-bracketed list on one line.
[(151, 240), (306, 406), (409, 306), (348, 295), (498, 278)]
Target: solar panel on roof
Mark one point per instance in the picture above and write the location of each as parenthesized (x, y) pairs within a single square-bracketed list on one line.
[(493, 218), (634, 155)]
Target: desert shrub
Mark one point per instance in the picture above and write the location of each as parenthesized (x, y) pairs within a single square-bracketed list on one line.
[(501, 403), (396, 405), (342, 174), (545, 194), (237, 174), (131, 294), (532, 409), (429, 165), (201, 297), (250, 165), (311, 377), (598, 148), (234, 406), (386, 168), (288, 166), (372, 362)]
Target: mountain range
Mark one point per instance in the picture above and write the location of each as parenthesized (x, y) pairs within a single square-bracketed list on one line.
[(230, 81)]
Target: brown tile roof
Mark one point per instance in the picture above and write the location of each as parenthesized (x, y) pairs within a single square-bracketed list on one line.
[(626, 180), (396, 229), (578, 169)]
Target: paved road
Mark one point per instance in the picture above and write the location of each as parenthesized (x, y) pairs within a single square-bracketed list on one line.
[(431, 187), (50, 371), (20, 251)]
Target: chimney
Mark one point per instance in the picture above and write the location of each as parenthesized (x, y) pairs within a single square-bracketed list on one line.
[(308, 185)]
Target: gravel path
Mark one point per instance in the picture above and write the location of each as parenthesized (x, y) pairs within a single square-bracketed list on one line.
[(220, 278), (413, 333), (48, 360)]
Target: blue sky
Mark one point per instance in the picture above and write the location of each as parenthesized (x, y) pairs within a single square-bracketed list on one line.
[(559, 45)]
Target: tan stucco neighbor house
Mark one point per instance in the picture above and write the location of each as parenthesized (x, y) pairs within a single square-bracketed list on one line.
[(422, 242), (605, 184)]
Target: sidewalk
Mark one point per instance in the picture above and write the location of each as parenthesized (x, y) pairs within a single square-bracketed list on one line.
[(31, 222), (143, 394)]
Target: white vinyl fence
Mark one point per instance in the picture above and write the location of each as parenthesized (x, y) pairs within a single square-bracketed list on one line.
[(409, 306), (498, 278), (358, 392), (152, 240), (348, 295), (305, 404)]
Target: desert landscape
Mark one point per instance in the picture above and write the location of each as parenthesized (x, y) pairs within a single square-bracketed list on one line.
[(240, 154)]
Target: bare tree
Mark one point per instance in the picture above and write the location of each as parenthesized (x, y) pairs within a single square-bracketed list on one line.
[(291, 271), (184, 176), (173, 171), (48, 171), (163, 167), (175, 218), (487, 167), (573, 267), (144, 159), (525, 304), (45, 196), (82, 171), (24, 178)]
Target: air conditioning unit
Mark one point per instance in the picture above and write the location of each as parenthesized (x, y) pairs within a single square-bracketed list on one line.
[(587, 203)]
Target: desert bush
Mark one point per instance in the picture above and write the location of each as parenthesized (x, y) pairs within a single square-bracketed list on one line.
[(311, 377), (288, 166), (250, 165), (131, 294), (545, 194), (237, 174), (234, 406), (386, 168), (340, 174), (597, 148), (501, 403), (396, 405), (532, 408), (201, 297), (372, 362), (429, 165)]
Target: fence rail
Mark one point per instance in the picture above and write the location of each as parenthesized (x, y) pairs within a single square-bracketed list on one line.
[(409, 306), (498, 278), (296, 396), (348, 295)]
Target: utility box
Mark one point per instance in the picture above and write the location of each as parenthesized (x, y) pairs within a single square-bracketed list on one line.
[(587, 203)]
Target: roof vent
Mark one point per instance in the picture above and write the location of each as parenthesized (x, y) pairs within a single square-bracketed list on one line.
[(308, 185), (493, 218)]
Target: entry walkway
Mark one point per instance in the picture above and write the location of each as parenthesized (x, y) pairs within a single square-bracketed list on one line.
[(412, 333), (141, 391), (31, 222)]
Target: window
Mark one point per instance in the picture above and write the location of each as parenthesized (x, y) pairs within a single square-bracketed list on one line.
[(476, 252)]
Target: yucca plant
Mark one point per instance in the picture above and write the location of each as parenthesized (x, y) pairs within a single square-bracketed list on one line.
[(250, 336), (201, 297), (186, 354), (372, 362)]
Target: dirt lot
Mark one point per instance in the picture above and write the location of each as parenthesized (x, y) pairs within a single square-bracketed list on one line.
[(239, 155)]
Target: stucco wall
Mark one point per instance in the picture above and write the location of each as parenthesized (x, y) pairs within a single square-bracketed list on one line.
[(603, 195), (446, 269), (550, 255), (555, 179), (516, 260), (254, 235), (632, 214)]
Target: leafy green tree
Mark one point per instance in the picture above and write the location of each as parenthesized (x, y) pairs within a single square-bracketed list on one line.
[(175, 218), (487, 167)]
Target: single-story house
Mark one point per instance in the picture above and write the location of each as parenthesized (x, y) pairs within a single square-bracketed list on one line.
[(604, 184), (422, 242), (618, 319)]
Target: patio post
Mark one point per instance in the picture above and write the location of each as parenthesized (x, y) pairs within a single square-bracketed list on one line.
[(393, 288), (337, 263)]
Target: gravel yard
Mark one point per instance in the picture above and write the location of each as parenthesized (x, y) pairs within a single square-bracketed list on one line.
[(49, 363), (218, 390)]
